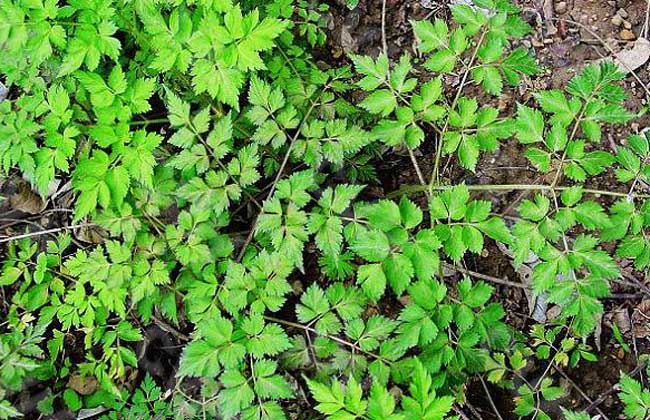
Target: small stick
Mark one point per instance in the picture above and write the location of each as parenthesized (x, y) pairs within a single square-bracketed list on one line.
[(614, 388), (580, 391), (383, 28), (45, 232), (166, 327), (647, 18), (487, 392), (485, 276)]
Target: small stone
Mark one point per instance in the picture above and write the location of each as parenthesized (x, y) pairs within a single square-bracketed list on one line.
[(611, 3), (561, 7), (627, 25), (622, 13), (3, 92), (627, 35), (617, 20)]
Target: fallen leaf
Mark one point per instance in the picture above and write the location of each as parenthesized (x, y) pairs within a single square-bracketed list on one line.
[(91, 234), (640, 318), (83, 385), (633, 58), (537, 305), (27, 200)]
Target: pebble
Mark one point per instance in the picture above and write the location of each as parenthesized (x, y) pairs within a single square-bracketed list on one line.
[(561, 7), (617, 20), (622, 13), (627, 35), (627, 25)]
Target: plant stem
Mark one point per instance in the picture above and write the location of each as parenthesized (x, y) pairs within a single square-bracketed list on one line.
[(331, 337), (45, 232), (414, 189), (436, 166)]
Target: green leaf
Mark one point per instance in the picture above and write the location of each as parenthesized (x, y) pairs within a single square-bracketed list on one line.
[(384, 214), (539, 158), (372, 245), (330, 400), (313, 303), (379, 102), (591, 215), (496, 229), (472, 18), (529, 125), (372, 279), (399, 271), (432, 36)]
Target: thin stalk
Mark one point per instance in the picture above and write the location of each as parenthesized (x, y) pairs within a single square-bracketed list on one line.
[(331, 337), (45, 232), (414, 189), (436, 166)]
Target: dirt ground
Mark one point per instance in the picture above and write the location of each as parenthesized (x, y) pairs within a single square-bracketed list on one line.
[(567, 35)]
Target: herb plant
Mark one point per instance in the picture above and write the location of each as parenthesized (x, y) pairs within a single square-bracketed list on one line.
[(225, 175)]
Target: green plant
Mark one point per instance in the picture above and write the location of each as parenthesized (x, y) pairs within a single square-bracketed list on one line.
[(222, 170), (19, 358)]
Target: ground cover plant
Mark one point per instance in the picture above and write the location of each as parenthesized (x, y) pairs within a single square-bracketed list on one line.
[(219, 248)]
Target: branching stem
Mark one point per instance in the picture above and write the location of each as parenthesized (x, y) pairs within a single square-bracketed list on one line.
[(414, 189)]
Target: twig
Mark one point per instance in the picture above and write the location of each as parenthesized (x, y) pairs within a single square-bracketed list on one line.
[(166, 327), (384, 43), (632, 281), (487, 392), (412, 189), (460, 413), (417, 168), (45, 232), (647, 19), (477, 415), (331, 337), (249, 238), (484, 276), (580, 391), (624, 296)]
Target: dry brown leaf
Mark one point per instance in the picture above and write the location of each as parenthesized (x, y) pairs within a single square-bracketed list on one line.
[(633, 58), (641, 319), (83, 385), (91, 234), (27, 200)]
